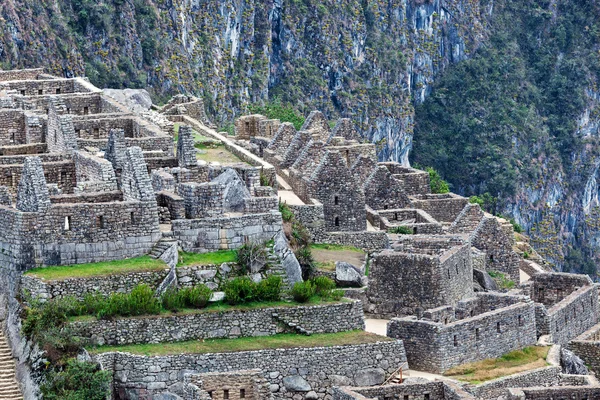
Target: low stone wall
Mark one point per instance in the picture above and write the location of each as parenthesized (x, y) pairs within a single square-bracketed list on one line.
[(562, 392), (546, 376), (329, 318), (437, 390), (307, 370), (442, 207), (365, 240), (210, 234), (587, 347), (79, 287)]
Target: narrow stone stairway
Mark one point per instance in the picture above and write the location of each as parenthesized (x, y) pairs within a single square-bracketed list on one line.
[(161, 246), (9, 388)]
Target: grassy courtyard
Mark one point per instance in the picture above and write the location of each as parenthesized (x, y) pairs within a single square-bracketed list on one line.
[(511, 363), (212, 258), (247, 344), (60, 272), (326, 255)]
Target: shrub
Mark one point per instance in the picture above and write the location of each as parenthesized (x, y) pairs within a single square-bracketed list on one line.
[(300, 236), (286, 213), (252, 257), (323, 285), (303, 291), (438, 185), (402, 230), (172, 300), (269, 289), (77, 381), (140, 301), (197, 296), (516, 227), (336, 294), (306, 261), (239, 290)]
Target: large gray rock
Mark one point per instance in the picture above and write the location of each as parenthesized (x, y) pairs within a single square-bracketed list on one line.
[(296, 383), (347, 275), (572, 364), (137, 99), (288, 259), (484, 279), (235, 192), (369, 377)]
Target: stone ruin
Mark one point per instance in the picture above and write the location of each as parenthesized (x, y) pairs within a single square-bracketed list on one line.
[(84, 178)]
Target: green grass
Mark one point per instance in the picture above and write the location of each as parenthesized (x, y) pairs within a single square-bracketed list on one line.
[(328, 246), (247, 344), (502, 280), (511, 363), (143, 263), (224, 307), (325, 265), (214, 258), (197, 136)]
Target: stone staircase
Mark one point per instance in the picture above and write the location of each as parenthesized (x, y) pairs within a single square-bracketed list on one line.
[(468, 219), (291, 325), (161, 246), (9, 388), (275, 268)]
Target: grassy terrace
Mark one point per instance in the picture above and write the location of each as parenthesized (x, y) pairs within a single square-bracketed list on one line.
[(511, 363), (247, 344), (224, 307), (216, 257), (137, 264), (327, 254)]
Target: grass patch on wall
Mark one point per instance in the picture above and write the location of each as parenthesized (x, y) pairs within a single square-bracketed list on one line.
[(248, 344), (137, 264), (511, 363), (502, 280), (213, 258)]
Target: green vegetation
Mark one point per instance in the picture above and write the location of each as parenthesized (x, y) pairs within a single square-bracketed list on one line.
[(190, 297), (66, 384), (253, 257), (486, 201), (248, 344), (286, 213), (316, 289), (244, 290), (502, 280), (276, 110), (438, 185), (143, 263), (508, 364), (402, 230), (338, 247), (213, 258)]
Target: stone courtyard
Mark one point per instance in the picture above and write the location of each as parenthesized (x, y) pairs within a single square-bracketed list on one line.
[(88, 177)]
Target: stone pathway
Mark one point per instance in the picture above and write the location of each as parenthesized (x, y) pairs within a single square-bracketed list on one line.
[(9, 388)]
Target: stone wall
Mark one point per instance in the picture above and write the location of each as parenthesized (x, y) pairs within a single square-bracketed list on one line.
[(587, 347), (209, 234), (20, 74), (573, 315), (563, 392), (61, 173), (442, 207), (95, 171), (437, 390), (551, 288), (207, 324), (438, 346), (413, 181), (423, 273), (308, 370)]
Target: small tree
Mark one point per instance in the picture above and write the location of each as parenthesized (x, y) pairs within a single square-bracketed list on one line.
[(438, 185)]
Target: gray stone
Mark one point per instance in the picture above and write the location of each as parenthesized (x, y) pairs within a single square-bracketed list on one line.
[(274, 388), (340, 380), (288, 260), (235, 192), (484, 280), (296, 383), (312, 395), (166, 396), (137, 99), (571, 364), (217, 296), (369, 377), (347, 275)]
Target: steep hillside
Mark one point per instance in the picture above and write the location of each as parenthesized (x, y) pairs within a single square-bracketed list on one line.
[(520, 120), (365, 59)]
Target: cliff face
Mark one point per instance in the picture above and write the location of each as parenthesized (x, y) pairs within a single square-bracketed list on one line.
[(367, 60), (519, 120)]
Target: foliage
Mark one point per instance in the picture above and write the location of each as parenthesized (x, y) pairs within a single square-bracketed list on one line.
[(264, 180), (77, 381), (516, 227), (402, 230), (486, 201), (252, 256), (212, 258), (306, 261), (276, 110), (502, 280), (438, 185), (325, 288), (243, 290), (189, 297), (303, 291), (286, 213)]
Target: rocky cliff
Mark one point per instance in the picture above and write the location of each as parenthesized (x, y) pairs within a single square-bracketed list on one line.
[(370, 60)]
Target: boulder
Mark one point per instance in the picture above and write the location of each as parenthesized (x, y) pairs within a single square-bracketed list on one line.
[(484, 279), (137, 99), (347, 275), (369, 377), (296, 383), (235, 192), (571, 363), (312, 395), (290, 264)]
